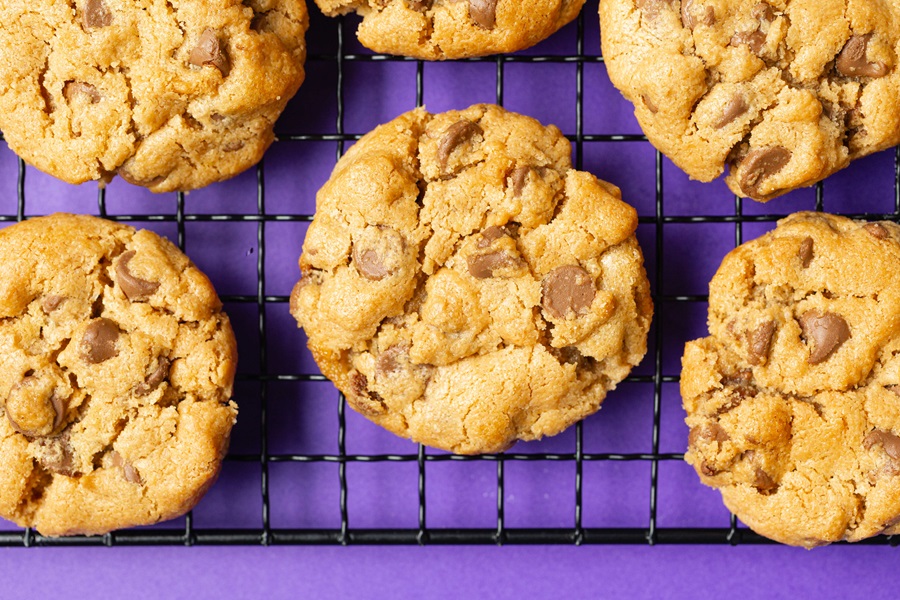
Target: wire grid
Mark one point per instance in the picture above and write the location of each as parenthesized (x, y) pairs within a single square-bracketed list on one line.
[(190, 535)]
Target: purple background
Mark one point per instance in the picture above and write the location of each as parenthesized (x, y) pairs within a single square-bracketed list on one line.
[(303, 416)]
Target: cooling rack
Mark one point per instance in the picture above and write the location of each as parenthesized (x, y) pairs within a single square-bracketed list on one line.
[(305, 470)]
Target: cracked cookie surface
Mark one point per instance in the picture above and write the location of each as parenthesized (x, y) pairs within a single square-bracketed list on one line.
[(784, 93), (448, 29), (465, 287), (115, 377), (794, 399), (168, 95)]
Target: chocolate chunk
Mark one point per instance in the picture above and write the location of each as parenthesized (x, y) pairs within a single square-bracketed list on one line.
[(690, 20), (159, 374), (735, 108), (876, 230), (519, 178), (763, 482), (887, 440), (755, 40), (209, 53), (567, 289), (135, 288), (483, 13), (131, 474), (760, 342), (489, 235), (99, 341), (51, 303), (482, 266), (457, 134), (827, 332), (852, 61), (95, 15), (710, 432), (649, 104), (759, 165), (73, 89), (806, 252), (369, 264)]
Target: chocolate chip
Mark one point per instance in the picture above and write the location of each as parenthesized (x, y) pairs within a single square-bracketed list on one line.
[(649, 104), (369, 264), (233, 146), (763, 482), (419, 5), (489, 235), (95, 15), (482, 266), (755, 40), (763, 12), (806, 252), (690, 20), (876, 230), (887, 440), (761, 164), (707, 469), (131, 474), (852, 61), (51, 303), (652, 7), (760, 342), (571, 355), (389, 361), (73, 89), (159, 374), (483, 13), (127, 176), (57, 455), (710, 432), (135, 288), (99, 341), (457, 134), (827, 332), (208, 52), (735, 108), (567, 289), (740, 384), (519, 178)]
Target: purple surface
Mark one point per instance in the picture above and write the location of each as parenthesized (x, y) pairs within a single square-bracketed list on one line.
[(302, 417)]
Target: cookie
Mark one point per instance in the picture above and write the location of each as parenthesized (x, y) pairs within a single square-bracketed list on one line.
[(447, 29), (116, 371), (464, 287), (169, 96), (784, 92), (793, 401)]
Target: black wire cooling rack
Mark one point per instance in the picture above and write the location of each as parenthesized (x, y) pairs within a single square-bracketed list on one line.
[(422, 534)]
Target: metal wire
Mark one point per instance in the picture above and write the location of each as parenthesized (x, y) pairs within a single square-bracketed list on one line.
[(422, 534)]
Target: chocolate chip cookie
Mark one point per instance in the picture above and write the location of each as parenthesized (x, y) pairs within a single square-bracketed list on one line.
[(784, 92), (794, 399), (446, 29), (465, 287), (170, 96), (116, 371)]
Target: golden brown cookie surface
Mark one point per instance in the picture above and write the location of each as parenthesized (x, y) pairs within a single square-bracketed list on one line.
[(443, 29), (465, 287), (784, 93), (793, 398), (115, 377), (170, 96)]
